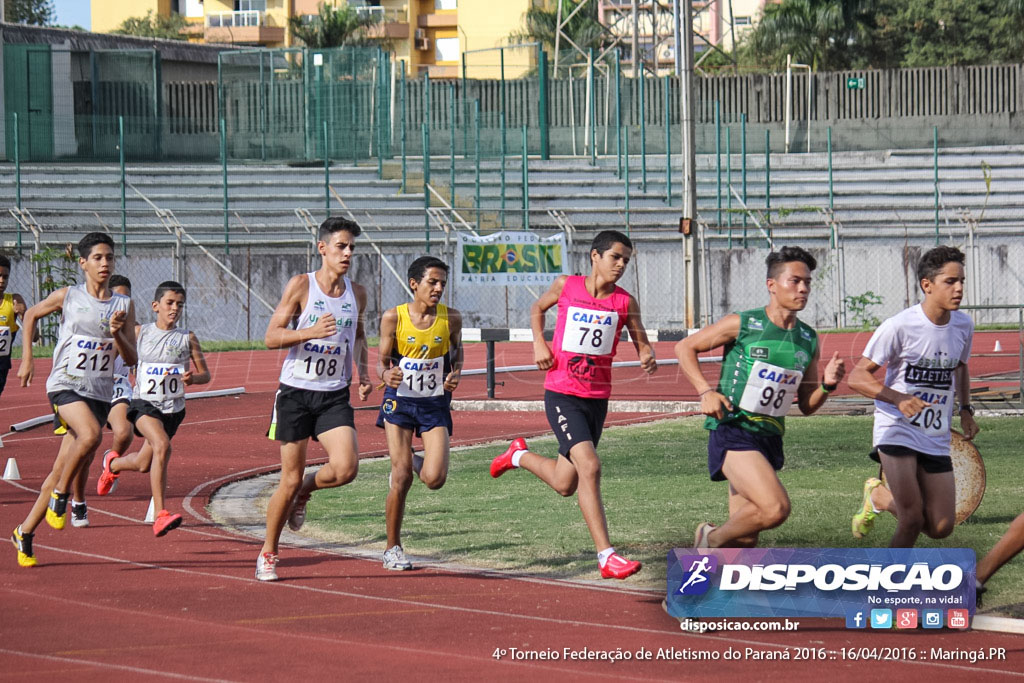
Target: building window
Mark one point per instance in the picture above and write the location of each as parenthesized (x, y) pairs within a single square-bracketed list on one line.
[(742, 21), (446, 4), (446, 50), (251, 5)]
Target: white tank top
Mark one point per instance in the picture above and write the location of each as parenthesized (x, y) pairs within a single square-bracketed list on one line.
[(323, 364)]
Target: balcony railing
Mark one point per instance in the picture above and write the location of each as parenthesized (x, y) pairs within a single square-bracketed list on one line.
[(233, 19), (383, 14)]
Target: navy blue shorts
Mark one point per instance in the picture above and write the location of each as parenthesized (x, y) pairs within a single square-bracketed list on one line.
[(5, 368), (727, 437), (418, 415), (574, 419)]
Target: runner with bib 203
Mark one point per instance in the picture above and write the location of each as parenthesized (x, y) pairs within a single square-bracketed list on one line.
[(770, 360), (924, 350)]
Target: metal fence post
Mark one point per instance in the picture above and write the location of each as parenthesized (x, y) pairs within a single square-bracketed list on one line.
[(504, 153), (625, 175), (476, 131), (643, 135), (451, 137), (17, 172), (402, 107), (728, 181), (935, 176), (831, 192), (743, 163), (124, 182), (542, 112), (263, 114), (593, 108), (618, 114), (327, 173), (718, 165), (768, 180), (526, 184), (224, 180), (667, 90), (426, 184)]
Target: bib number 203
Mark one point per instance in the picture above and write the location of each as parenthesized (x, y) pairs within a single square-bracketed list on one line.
[(929, 419)]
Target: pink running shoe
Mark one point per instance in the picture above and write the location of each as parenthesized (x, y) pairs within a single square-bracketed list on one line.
[(618, 567), (165, 522), (503, 463), (108, 480)]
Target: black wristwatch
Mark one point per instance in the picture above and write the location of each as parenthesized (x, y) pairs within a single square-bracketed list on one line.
[(829, 388), (968, 407)]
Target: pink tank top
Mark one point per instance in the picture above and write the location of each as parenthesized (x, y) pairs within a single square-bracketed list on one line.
[(586, 336)]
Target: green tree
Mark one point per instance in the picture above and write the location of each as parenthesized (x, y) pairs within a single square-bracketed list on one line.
[(35, 12), (541, 25), (951, 32), (151, 26), (826, 34), (333, 27)]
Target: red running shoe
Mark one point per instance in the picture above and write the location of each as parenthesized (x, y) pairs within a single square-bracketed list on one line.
[(165, 522), (503, 463), (108, 480), (618, 567)]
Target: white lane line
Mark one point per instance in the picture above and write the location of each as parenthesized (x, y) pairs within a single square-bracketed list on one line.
[(108, 665)]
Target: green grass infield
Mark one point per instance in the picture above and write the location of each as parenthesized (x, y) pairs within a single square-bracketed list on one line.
[(656, 489)]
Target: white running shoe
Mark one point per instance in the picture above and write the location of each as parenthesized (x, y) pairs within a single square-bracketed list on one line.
[(266, 567), (79, 515), (394, 558)]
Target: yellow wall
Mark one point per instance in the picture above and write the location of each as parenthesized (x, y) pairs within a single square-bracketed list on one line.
[(486, 24), (108, 15)]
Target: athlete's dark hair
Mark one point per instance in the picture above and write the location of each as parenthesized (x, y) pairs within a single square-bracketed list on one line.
[(5, 262), (606, 239), (168, 286), (934, 259), (419, 267), (777, 260), (86, 244), (119, 281), (337, 224)]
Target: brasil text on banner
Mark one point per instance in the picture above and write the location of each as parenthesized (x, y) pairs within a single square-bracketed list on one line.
[(816, 582), (510, 258)]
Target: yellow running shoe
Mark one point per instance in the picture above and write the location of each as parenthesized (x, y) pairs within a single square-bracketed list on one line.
[(23, 542), (864, 520), (57, 510)]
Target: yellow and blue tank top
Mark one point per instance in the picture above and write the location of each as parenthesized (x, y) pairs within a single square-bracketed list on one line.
[(423, 356), (8, 325)]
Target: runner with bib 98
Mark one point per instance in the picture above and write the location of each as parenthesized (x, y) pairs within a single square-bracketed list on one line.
[(771, 358)]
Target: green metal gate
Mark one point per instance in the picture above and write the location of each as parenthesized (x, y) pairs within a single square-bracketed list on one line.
[(28, 92)]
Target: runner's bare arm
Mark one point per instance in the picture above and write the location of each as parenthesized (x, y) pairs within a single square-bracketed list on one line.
[(963, 398), (810, 395), (863, 381), (361, 350), (54, 302), (639, 336), (723, 332), (390, 376), (122, 327), (278, 335), (541, 351), (202, 372), (451, 382)]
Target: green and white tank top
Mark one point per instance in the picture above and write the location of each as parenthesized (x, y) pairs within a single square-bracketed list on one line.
[(762, 371)]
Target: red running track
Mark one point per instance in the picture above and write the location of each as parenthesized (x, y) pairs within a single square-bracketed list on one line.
[(111, 602)]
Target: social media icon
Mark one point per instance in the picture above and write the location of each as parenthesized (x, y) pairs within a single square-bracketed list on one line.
[(881, 618), (857, 618), (906, 618), (957, 618), (931, 618)]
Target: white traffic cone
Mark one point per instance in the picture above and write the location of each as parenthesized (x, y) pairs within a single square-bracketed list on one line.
[(11, 472), (998, 348), (151, 513)]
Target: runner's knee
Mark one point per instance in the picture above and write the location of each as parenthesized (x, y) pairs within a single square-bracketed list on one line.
[(774, 514), (401, 477), (940, 528), (435, 481), (336, 474)]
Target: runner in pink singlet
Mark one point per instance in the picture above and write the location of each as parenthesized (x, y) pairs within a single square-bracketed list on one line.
[(592, 311)]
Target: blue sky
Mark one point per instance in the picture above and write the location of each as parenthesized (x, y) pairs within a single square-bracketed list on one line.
[(72, 12)]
